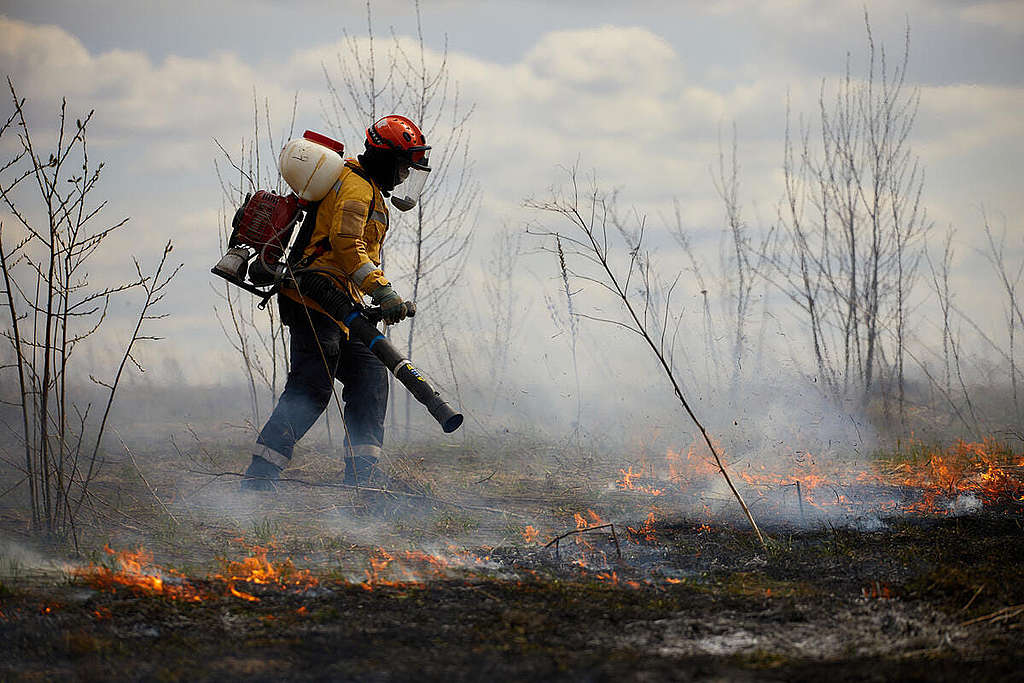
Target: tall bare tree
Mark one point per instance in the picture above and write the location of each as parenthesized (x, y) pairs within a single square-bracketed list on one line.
[(852, 223), (503, 317), (428, 247), (1010, 281), (737, 273)]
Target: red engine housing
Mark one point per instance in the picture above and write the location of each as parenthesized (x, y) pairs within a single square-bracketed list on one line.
[(265, 223)]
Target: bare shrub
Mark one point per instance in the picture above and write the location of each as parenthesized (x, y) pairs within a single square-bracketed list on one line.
[(53, 308)]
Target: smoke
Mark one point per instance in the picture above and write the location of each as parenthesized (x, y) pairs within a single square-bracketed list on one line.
[(18, 563)]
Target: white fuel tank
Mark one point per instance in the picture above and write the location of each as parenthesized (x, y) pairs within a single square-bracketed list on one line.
[(311, 164)]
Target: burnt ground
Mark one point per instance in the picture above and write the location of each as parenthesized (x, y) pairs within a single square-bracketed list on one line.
[(924, 599), (919, 597)]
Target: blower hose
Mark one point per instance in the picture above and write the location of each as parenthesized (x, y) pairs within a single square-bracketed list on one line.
[(339, 306)]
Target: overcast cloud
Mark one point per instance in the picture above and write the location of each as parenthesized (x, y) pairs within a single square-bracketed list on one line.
[(639, 93)]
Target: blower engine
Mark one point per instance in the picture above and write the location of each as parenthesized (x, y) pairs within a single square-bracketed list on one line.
[(257, 259), (260, 233), (262, 228)]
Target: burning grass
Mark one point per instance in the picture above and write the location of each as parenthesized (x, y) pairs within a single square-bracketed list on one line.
[(915, 479), (642, 584), (861, 604), (135, 571), (988, 470)]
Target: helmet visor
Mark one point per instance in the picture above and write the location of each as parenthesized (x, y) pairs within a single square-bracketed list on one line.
[(409, 189), (419, 157)]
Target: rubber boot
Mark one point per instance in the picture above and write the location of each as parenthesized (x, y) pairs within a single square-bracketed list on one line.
[(261, 475), (361, 467)]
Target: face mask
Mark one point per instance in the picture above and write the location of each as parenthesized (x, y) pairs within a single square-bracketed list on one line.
[(409, 187)]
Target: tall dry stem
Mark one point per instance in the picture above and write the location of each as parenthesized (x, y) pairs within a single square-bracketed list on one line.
[(589, 245)]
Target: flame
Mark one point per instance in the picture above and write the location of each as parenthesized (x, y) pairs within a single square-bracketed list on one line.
[(591, 554), (379, 562), (645, 532), (694, 466), (433, 561), (877, 590), (257, 569), (986, 470), (626, 483), (412, 566), (239, 594), (137, 572), (581, 523), (531, 535)]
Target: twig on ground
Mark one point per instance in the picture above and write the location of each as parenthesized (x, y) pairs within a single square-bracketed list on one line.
[(1003, 614), (800, 499), (971, 601), (480, 481), (555, 541)]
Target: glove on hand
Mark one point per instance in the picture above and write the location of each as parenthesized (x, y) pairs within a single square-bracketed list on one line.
[(391, 305)]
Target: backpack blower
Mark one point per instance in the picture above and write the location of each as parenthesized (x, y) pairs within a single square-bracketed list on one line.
[(262, 256)]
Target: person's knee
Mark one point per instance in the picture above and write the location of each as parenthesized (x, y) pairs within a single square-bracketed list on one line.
[(310, 375), (320, 395), (368, 392)]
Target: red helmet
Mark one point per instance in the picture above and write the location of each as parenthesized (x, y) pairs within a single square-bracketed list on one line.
[(402, 137)]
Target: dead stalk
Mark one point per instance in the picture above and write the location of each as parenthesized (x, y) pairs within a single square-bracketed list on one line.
[(594, 248), (1004, 614), (615, 539), (138, 470)]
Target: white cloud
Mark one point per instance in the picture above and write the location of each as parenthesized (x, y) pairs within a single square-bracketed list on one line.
[(609, 60), (621, 100), (1005, 15), (958, 119), (165, 110)]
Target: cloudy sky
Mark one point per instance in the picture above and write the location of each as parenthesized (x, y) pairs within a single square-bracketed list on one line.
[(638, 91)]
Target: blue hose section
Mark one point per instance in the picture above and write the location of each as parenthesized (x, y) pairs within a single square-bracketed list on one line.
[(375, 340), (352, 316)]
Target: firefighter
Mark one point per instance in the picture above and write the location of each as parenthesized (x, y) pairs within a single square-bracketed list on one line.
[(344, 250)]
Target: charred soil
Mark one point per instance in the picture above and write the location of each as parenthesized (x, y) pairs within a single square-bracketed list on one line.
[(922, 599)]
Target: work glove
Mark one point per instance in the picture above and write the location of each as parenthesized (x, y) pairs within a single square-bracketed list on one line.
[(392, 308)]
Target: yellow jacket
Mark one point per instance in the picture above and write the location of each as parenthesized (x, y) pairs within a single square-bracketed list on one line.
[(345, 245)]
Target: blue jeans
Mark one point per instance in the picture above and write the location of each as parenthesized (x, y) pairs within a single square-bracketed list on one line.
[(320, 353)]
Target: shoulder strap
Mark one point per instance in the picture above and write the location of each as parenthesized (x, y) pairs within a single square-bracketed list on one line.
[(305, 233), (373, 187)]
